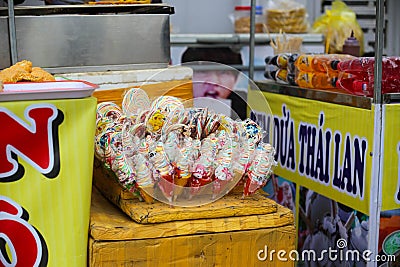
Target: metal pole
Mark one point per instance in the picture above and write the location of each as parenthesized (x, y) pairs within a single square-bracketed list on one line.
[(379, 51), (377, 176), (252, 39), (12, 32)]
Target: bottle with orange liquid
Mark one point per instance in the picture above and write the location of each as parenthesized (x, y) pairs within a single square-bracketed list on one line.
[(315, 80), (320, 62)]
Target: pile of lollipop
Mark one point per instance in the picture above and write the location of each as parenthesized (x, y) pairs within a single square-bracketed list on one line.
[(161, 146)]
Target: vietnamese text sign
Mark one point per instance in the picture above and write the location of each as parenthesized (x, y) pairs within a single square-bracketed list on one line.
[(391, 158), (323, 146)]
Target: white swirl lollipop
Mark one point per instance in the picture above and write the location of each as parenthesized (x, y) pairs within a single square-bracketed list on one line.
[(167, 104), (135, 101)]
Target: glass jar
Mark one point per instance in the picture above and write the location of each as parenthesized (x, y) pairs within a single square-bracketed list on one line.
[(242, 19)]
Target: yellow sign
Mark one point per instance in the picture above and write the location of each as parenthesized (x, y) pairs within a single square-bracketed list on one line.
[(46, 161), (322, 146), (391, 158)]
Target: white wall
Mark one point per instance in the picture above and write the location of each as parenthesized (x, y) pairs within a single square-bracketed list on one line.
[(205, 16), (213, 16)]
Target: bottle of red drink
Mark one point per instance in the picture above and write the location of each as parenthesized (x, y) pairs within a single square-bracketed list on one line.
[(390, 85), (361, 72), (390, 65)]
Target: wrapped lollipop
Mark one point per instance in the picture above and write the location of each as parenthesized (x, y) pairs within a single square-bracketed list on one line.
[(171, 137), (252, 131), (173, 122), (188, 153), (155, 121), (211, 125), (223, 175), (144, 177), (109, 110), (107, 122), (102, 137), (249, 135), (135, 101), (164, 170), (142, 116), (114, 158), (242, 159), (260, 169), (224, 166), (182, 172), (203, 171), (228, 125), (111, 147), (209, 146), (195, 119), (202, 174), (190, 145), (102, 124), (132, 135), (124, 171), (167, 105)]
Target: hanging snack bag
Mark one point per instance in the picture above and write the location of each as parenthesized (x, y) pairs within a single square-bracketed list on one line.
[(337, 25)]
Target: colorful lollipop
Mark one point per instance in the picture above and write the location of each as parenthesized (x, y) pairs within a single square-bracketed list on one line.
[(109, 110), (144, 177), (224, 169), (260, 169), (155, 121), (135, 101), (166, 105), (164, 170)]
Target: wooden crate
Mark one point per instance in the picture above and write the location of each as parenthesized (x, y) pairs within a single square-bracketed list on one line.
[(181, 89), (173, 81), (117, 240)]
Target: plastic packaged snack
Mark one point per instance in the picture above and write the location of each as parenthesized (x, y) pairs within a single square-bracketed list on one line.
[(242, 19), (337, 25), (286, 16)]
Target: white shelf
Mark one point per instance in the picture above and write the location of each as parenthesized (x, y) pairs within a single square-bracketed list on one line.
[(235, 39)]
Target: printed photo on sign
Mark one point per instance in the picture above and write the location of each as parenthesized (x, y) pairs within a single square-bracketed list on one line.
[(330, 232), (282, 191), (389, 236)]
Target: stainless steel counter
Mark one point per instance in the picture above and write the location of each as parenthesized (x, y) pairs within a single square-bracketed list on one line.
[(89, 37)]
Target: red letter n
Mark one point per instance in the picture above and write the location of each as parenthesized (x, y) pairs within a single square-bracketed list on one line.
[(36, 142)]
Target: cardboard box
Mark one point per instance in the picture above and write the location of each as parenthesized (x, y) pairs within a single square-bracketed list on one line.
[(117, 240)]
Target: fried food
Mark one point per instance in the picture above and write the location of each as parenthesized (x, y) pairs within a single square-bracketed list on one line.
[(23, 71), (40, 75), (13, 74), (24, 64)]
